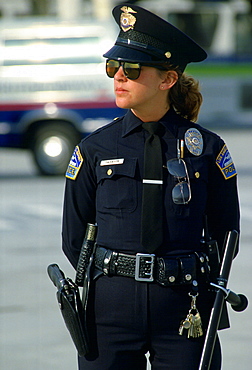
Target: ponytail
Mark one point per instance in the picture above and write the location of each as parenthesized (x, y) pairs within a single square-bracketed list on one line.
[(185, 97)]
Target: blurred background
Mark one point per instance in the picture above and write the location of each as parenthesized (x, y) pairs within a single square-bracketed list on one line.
[(53, 92), (53, 89)]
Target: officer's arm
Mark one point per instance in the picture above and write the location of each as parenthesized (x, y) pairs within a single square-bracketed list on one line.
[(79, 206), (223, 204)]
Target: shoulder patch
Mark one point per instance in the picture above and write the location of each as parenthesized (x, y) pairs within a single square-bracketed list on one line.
[(74, 164), (225, 163)]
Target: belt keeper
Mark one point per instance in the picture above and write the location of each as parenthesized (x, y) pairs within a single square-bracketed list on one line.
[(113, 263), (106, 262)]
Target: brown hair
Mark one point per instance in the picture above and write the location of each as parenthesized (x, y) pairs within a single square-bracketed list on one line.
[(185, 95)]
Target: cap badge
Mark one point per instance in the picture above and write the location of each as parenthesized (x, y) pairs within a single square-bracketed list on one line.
[(194, 141), (127, 20)]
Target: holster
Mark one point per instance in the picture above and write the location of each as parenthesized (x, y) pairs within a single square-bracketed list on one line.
[(212, 251), (74, 311), (71, 308)]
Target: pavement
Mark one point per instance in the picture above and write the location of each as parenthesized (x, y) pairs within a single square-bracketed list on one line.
[(32, 332)]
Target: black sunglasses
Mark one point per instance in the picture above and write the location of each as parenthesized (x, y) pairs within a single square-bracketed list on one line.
[(181, 193), (131, 70)]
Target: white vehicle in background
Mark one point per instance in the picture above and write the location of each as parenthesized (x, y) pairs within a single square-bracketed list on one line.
[(54, 90), (53, 87)]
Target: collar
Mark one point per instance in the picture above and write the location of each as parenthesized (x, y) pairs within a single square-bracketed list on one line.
[(171, 120), (130, 122)]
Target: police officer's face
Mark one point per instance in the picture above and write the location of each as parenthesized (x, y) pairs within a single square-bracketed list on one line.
[(144, 94)]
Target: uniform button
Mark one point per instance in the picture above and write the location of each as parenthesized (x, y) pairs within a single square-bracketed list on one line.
[(171, 279), (188, 277), (109, 172), (197, 175)]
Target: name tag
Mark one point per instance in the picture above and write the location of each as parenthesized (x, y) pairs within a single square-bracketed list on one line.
[(109, 162)]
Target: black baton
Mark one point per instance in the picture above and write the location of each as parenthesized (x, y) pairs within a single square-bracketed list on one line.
[(238, 301), (86, 253)]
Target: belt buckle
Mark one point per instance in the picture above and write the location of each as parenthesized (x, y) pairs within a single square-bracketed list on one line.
[(144, 267)]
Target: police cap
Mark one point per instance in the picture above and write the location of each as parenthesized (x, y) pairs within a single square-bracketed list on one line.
[(145, 37)]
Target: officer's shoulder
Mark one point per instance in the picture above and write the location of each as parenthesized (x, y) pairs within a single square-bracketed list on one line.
[(213, 143), (104, 130), (211, 135), (208, 135)]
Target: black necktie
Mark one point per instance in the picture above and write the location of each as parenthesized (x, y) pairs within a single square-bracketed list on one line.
[(152, 201)]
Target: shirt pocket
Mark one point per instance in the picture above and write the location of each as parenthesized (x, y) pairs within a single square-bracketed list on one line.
[(198, 173), (117, 186), (197, 170)]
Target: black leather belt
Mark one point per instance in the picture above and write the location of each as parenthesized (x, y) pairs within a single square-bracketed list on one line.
[(168, 270)]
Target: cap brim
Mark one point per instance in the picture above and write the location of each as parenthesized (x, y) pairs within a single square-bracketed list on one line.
[(128, 54)]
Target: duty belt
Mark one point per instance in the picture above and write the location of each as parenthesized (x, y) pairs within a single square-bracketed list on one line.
[(167, 270)]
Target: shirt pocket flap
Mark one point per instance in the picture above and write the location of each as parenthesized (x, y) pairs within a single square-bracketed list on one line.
[(110, 171)]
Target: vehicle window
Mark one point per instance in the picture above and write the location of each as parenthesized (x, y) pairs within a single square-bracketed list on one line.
[(200, 27), (72, 50), (244, 34)]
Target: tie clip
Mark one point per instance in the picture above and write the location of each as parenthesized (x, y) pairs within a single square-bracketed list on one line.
[(156, 182)]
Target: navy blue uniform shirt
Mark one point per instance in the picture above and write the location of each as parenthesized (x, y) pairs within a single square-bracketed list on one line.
[(104, 186)]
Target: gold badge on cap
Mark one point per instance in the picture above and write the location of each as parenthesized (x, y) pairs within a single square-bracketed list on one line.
[(194, 141), (127, 20)]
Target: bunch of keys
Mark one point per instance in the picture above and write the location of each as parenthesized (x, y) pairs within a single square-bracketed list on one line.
[(192, 322)]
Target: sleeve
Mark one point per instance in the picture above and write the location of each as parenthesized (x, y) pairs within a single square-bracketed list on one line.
[(223, 203), (79, 204)]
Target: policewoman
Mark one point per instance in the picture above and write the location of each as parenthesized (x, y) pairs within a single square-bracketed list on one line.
[(154, 181)]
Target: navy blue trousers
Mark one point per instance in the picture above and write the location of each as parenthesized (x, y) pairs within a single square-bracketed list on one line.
[(127, 319)]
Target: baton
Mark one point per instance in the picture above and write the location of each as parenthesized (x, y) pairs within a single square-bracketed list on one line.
[(85, 254), (238, 301)]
